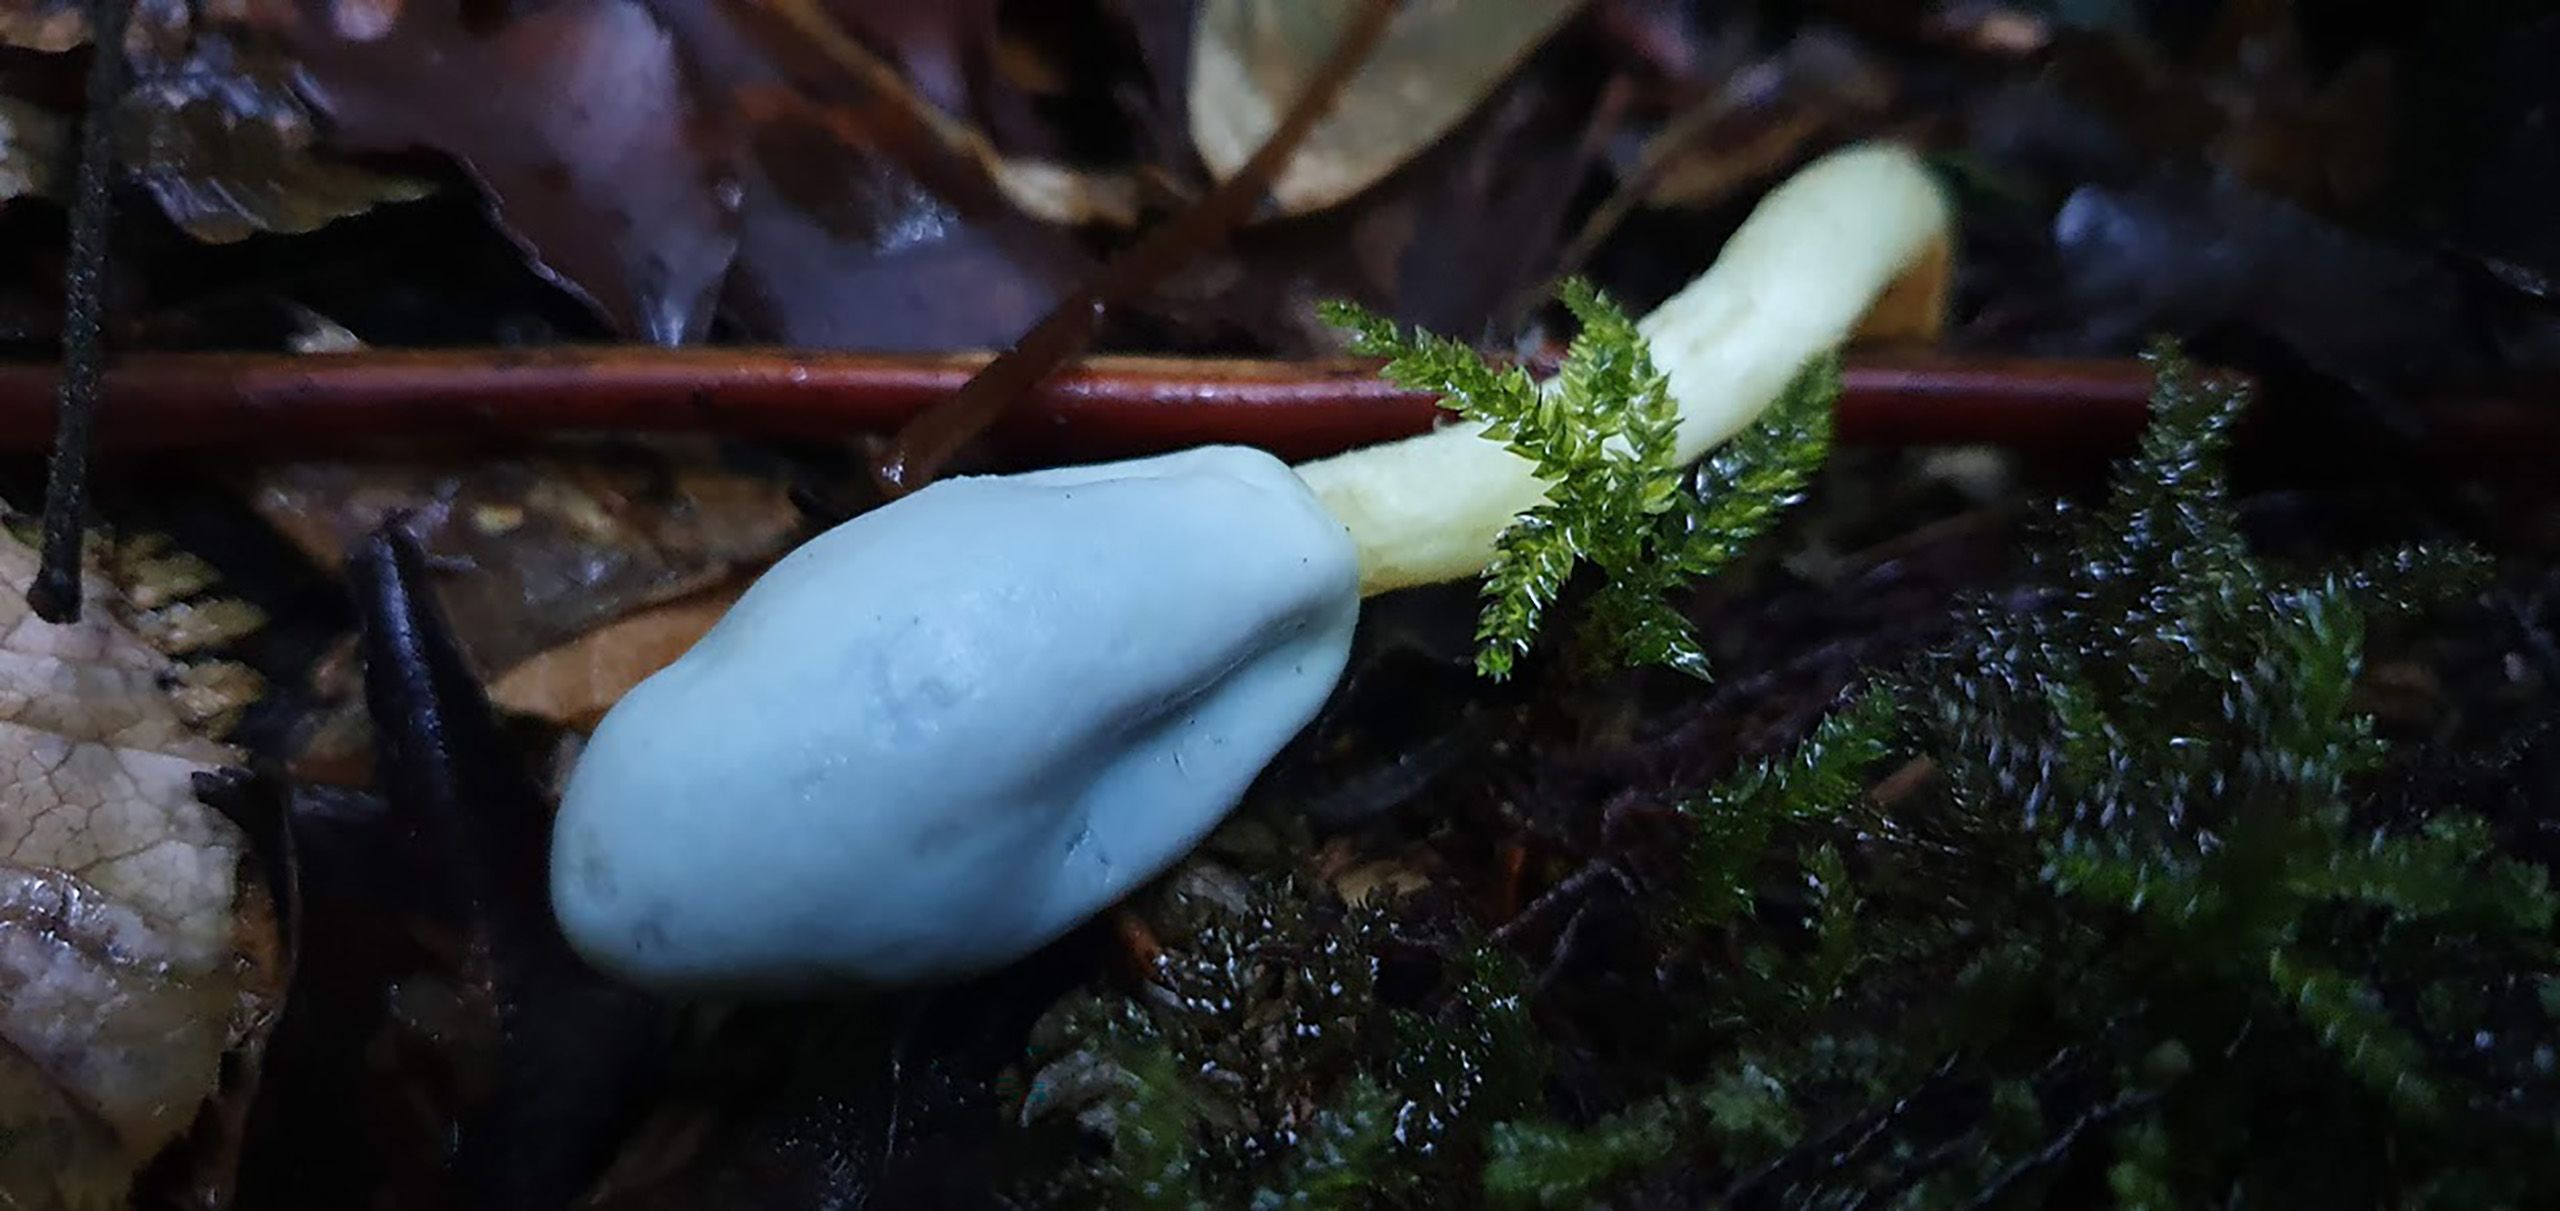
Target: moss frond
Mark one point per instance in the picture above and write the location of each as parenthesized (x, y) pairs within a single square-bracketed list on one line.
[(1604, 436)]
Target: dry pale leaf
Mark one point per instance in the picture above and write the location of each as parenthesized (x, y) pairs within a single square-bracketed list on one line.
[(1379, 882), (135, 949), (1439, 59)]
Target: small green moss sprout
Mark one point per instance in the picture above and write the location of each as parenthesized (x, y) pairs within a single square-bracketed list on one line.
[(1602, 436)]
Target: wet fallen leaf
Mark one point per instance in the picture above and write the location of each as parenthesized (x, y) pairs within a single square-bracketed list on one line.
[(228, 151), (552, 545), (1759, 123), (573, 685), (2171, 254), (1438, 61), (556, 544), (210, 125), (840, 247), (1988, 28), (136, 949), (447, 1049), (2248, 99), (1377, 881), (866, 1102), (940, 49), (805, 34), (869, 218), (2499, 174), (574, 116)]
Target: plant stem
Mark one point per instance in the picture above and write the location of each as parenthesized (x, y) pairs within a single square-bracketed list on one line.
[(1095, 408), (55, 595)]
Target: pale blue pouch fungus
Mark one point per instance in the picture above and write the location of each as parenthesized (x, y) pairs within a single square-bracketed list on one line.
[(948, 731)]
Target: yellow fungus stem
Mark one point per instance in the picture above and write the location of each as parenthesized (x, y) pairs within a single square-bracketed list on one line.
[(1856, 245)]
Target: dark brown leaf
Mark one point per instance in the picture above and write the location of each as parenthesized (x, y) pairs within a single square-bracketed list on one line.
[(2172, 254), (32, 142), (228, 150), (210, 124), (841, 248), (551, 547), (1454, 241), (1760, 122), (870, 219), (54, 26), (574, 116)]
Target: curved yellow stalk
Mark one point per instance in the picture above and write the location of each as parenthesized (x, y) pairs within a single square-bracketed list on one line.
[(1857, 243)]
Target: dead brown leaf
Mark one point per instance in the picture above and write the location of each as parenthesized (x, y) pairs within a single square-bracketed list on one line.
[(573, 685), (2250, 101), (1360, 875), (869, 218), (556, 544), (228, 150), (1760, 122), (211, 125), (577, 120), (1378, 882), (1049, 191), (135, 947), (841, 247), (1453, 242)]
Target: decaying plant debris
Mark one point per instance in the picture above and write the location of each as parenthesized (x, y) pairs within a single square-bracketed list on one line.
[(2045, 835)]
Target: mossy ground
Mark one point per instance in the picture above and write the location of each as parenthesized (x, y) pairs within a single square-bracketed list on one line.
[(2154, 871)]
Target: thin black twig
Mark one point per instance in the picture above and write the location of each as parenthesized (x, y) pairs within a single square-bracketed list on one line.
[(1570, 893), (2061, 1146), (55, 595), (1826, 1150)]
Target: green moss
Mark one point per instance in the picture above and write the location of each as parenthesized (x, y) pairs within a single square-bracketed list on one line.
[(1738, 820), (1544, 1164), (1603, 438), (2152, 919), (1265, 1071)]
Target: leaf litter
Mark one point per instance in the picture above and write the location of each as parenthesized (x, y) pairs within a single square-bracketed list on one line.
[(920, 190), (138, 946)]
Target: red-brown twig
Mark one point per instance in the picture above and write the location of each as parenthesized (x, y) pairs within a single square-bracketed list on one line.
[(260, 404)]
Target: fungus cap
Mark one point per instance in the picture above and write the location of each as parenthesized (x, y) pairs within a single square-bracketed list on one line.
[(949, 730)]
